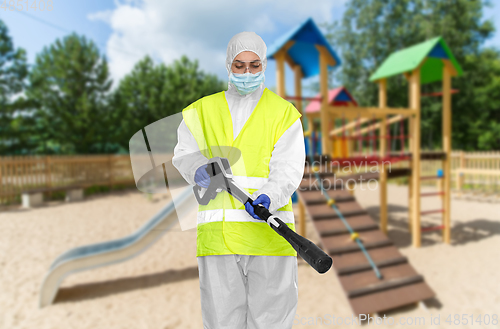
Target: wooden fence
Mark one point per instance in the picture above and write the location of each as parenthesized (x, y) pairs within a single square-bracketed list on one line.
[(478, 171), (470, 171), (18, 173)]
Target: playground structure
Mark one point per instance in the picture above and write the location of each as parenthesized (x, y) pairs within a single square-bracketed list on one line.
[(372, 272), (342, 147), (346, 231)]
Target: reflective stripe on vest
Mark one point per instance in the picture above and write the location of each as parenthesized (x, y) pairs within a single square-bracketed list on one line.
[(224, 226), (236, 215)]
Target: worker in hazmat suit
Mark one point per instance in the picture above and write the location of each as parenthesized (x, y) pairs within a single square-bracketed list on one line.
[(248, 273)]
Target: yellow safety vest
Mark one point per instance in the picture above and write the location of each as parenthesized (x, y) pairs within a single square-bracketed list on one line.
[(224, 226)]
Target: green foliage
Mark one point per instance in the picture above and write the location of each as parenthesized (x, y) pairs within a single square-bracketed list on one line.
[(151, 92), (68, 87), (477, 106), (373, 29), (74, 111), (97, 189), (13, 72), (13, 67)]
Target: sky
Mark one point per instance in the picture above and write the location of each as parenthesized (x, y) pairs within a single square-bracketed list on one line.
[(127, 30)]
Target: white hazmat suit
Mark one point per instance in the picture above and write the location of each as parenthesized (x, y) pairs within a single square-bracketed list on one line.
[(247, 291)]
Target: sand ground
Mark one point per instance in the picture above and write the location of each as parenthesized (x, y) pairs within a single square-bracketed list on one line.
[(159, 289)]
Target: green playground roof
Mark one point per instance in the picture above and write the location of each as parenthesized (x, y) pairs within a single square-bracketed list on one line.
[(433, 51)]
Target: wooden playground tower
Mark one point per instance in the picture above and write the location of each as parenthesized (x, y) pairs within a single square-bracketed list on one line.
[(427, 62), (374, 275)]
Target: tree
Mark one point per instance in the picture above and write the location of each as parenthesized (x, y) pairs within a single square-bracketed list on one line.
[(480, 126), (13, 72), (371, 30), (151, 92), (68, 87)]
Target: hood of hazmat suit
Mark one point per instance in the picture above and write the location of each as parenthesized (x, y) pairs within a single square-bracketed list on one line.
[(245, 41), (241, 106)]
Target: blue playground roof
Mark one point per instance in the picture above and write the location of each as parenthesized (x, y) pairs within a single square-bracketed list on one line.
[(303, 52)]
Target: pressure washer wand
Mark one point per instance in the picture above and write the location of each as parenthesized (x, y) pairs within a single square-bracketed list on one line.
[(221, 179)]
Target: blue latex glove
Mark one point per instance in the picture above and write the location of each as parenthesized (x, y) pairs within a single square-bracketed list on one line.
[(261, 199), (201, 177)]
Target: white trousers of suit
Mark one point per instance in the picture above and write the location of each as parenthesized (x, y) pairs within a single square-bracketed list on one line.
[(248, 292)]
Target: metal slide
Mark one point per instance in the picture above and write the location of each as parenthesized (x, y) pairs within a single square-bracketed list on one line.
[(110, 252)]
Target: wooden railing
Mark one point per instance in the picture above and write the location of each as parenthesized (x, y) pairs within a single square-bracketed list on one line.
[(18, 173)]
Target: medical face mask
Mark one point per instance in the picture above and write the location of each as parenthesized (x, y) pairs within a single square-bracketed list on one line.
[(246, 83)]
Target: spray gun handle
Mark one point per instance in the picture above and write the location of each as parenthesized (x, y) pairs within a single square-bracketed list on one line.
[(212, 189), (210, 194)]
